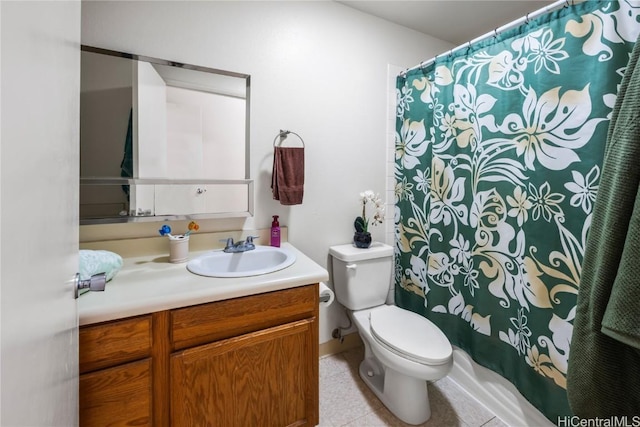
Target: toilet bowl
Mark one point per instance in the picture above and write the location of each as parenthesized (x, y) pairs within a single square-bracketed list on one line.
[(403, 350)]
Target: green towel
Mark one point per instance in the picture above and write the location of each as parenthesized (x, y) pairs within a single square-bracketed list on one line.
[(603, 378)]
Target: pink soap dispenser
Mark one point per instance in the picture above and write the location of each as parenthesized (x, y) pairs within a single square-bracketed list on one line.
[(275, 232)]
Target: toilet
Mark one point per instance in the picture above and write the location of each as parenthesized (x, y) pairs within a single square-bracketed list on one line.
[(403, 350)]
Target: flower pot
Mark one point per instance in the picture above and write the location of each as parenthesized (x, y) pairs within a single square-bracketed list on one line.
[(362, 239)]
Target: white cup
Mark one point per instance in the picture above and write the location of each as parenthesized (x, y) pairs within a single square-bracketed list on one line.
[(178, 248)]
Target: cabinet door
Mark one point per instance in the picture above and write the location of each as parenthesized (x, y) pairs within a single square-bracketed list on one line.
[(119, 396), (265, 378)]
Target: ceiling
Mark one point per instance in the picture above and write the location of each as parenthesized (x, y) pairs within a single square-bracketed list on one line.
[(454, 21)]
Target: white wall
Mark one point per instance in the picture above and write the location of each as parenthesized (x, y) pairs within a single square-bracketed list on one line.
[(319, 69)]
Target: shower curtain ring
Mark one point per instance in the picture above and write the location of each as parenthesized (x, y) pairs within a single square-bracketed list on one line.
[(526, 20)]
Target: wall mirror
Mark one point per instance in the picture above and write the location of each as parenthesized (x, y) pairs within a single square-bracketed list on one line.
[(161, 140)]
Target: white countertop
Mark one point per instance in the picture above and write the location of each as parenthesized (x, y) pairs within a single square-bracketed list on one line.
[(150, 283)]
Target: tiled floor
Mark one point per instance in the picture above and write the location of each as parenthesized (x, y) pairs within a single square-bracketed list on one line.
[(346, 401)]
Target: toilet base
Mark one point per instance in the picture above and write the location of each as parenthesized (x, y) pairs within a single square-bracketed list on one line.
[(406, 397)]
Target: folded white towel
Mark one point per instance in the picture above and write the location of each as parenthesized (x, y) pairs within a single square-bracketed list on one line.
[(96, 262)]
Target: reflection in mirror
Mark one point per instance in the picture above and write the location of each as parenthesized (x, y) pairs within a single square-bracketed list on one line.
[(160, 139)]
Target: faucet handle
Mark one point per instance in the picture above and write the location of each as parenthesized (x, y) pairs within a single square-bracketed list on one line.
[(249, 239), (228, 242)]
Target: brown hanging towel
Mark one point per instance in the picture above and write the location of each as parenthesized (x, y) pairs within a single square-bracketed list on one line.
[(287, 179)]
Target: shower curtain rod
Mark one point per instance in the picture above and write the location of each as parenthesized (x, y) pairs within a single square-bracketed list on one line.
[(525, 19)]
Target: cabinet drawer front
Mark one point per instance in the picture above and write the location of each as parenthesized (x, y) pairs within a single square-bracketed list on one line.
[(223, 319), (119, 396), (113, 343)]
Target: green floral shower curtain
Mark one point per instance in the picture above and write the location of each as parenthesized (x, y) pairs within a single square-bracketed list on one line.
[(498, 155)]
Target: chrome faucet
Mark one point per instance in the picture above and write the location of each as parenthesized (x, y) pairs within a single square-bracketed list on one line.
[(247, 245)]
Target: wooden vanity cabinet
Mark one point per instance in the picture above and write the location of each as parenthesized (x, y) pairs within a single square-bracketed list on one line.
[(248, 361)]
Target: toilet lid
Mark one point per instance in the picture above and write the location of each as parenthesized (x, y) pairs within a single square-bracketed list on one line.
[(410, 335)]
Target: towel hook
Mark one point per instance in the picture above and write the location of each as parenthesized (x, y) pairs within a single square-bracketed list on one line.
[(283, 135)]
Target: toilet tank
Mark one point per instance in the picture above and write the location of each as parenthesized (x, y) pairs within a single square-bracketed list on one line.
[(361, 277)]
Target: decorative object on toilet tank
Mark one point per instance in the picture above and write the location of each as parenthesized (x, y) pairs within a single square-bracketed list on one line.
[(362, 236), (361, 239)]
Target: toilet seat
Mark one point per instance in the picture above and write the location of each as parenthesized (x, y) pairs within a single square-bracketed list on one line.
[(409, 335)]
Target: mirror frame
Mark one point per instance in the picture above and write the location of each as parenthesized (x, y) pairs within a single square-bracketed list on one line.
[(151, 181)]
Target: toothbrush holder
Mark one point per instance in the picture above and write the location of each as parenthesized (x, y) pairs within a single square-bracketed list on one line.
[(178, 249)]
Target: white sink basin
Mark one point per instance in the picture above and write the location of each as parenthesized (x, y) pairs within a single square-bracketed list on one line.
[(261, 260)]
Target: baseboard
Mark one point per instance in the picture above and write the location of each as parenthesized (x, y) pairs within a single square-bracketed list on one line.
[(494, 392), (336, 346)]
